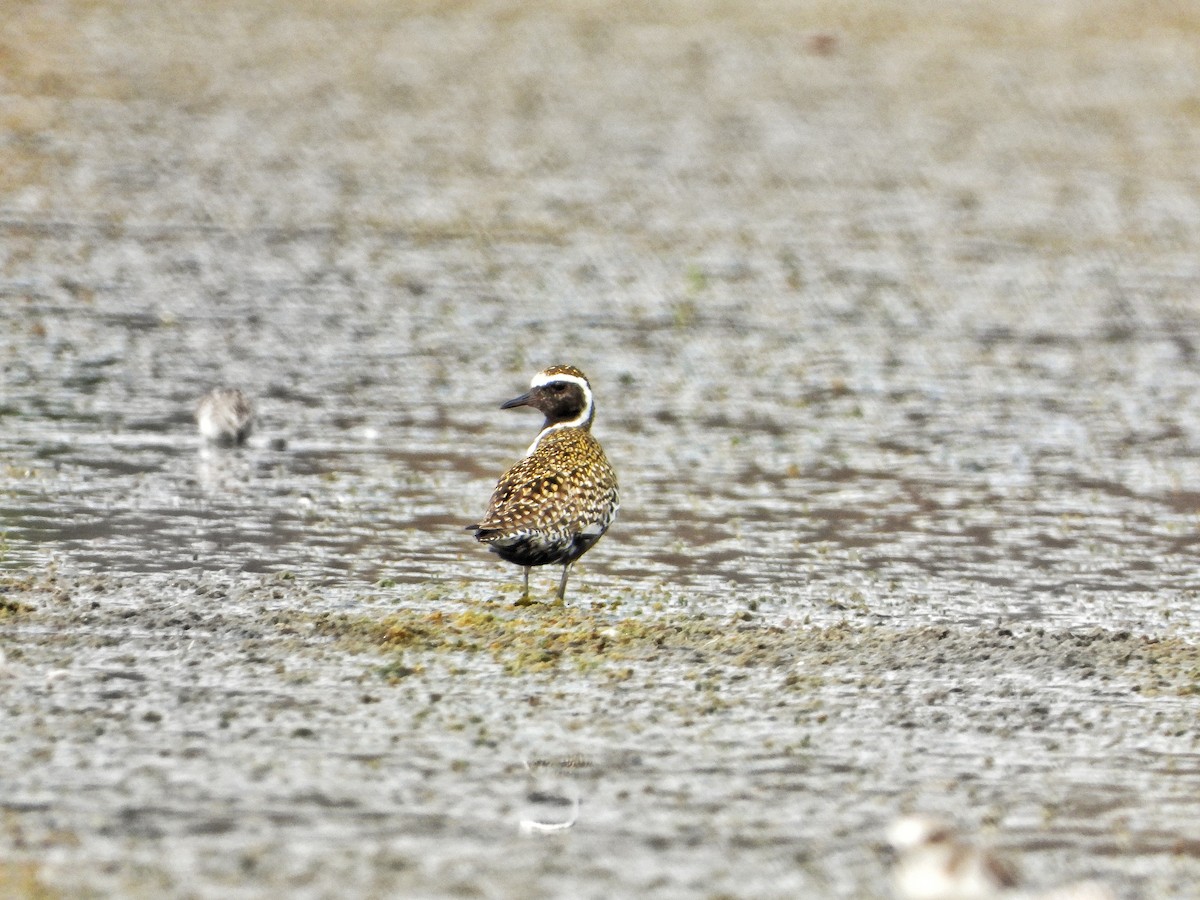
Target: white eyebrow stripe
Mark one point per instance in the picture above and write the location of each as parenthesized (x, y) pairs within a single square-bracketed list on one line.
[(542, 378)]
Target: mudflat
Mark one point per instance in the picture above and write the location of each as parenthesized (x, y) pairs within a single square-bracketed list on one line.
[(890, 312)]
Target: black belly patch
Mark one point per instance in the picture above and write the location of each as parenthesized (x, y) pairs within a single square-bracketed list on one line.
[(541, 550)]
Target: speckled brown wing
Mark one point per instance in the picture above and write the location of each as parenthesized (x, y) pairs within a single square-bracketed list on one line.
[(553, 504)]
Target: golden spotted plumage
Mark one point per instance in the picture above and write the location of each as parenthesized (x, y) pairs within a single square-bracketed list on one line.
[(556, 502), (563, 488)]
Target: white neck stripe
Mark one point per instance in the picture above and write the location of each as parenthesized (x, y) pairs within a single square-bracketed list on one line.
[(545, 431), (541, 379)]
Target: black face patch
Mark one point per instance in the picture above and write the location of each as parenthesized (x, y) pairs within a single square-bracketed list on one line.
[(559, 401)]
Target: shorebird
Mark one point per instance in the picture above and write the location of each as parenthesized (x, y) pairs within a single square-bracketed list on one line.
[(560, 498), (225, 417), (934, 863)]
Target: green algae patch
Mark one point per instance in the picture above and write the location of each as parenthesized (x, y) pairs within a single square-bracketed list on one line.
[(539, 638), (707, 649), (22, 880), (19, 587), (1166, 666), (10, 606)]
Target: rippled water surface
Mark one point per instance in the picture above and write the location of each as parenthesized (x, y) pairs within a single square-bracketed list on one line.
[(767, 449)]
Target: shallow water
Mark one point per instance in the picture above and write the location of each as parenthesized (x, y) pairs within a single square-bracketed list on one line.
[(994, 481), (894, 352)]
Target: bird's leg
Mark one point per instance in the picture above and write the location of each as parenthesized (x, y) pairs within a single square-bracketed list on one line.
[(562, 585), (525, 601)]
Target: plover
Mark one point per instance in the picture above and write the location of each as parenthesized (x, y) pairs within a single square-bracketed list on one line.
[(554, 504), (934, 863), (225, 417)]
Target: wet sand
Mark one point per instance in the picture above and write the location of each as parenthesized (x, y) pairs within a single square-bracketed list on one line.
[(891, 319)]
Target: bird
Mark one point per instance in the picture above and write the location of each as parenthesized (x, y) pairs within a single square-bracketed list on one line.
[(560, 498), (934, 863), (225, 417)]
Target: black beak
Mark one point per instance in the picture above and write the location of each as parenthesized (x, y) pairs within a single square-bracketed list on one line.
[(523, 400)]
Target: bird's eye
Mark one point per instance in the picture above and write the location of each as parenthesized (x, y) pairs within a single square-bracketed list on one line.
[(557, 386)]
